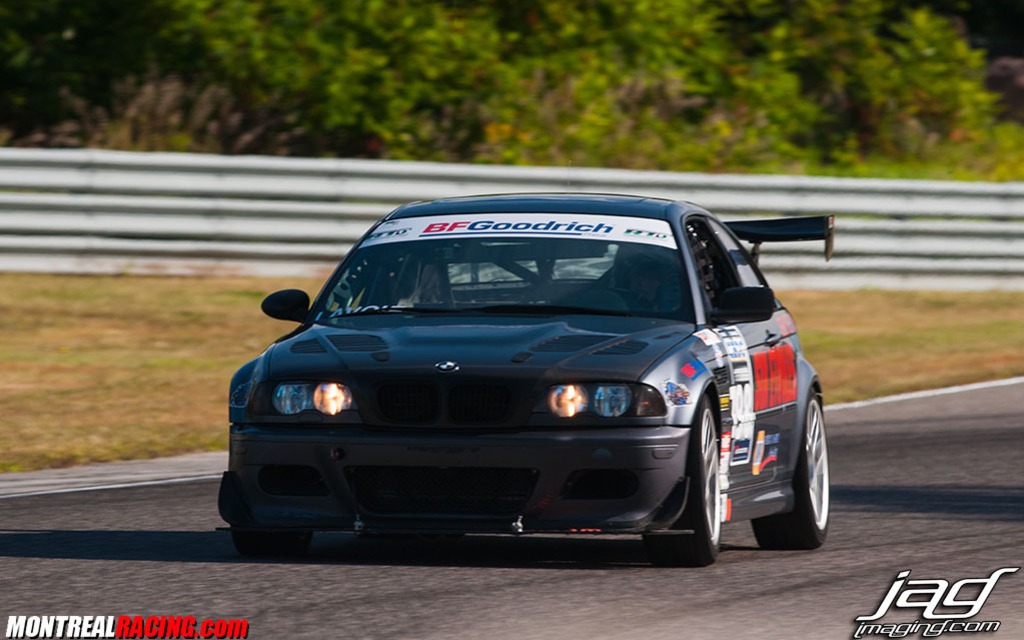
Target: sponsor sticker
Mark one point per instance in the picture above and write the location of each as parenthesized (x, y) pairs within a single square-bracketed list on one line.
[(240, 396), (642, 233), (711, 340), (740, 451), (770, 457), (388, 233), (736, 348), (741, 393), (676, 394), (766, 451), (347, 311), (724, 451), (693, 368), (708, 337), (549, 225), (758, 453)]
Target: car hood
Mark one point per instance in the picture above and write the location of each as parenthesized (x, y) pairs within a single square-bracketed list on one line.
[(362, 350)]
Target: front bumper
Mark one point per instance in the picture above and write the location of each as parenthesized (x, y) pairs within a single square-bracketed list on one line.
[(624, 480)]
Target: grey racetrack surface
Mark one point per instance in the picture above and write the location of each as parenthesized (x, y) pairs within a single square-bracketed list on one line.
[(933, 485)]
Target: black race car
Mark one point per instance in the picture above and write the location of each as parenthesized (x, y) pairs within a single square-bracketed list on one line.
[(564, 363)]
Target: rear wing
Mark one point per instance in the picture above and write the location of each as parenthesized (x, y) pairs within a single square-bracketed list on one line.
[(785, 230)]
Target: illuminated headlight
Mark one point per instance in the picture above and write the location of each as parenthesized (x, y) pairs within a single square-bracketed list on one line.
[(566, 400), (329, 398), (608, 400)]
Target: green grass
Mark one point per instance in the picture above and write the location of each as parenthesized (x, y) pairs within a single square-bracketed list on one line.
[(111, 368)]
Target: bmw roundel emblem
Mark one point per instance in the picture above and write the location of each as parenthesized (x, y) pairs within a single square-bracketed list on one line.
[(447, 366)]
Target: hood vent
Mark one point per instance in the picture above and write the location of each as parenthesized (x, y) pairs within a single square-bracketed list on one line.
[(357, 342), (624, 348), (307, 346), (569, 344)]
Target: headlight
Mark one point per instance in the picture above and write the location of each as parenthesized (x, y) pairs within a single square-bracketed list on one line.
[(606, 399), (290, 399), (329, 398), (566, 400), (612, 400)]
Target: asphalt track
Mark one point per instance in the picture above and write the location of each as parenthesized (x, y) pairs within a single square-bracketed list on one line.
[(932, 484)]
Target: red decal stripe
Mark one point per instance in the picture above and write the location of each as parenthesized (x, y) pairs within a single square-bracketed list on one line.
[(774, 377)]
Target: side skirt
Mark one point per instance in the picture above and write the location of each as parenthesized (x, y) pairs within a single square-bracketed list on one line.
[(765, 500)]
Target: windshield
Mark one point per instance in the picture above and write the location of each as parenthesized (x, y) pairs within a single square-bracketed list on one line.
[(513, 263)]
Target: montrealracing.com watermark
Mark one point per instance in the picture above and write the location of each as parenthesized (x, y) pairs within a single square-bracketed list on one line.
[(945, 607), (131, 627)]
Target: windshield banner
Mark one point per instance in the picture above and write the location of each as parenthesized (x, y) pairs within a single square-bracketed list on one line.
[(523, 225)]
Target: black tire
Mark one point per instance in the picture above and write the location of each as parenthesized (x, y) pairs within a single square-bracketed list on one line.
[(703, 503), (806, 526), (261, 543)]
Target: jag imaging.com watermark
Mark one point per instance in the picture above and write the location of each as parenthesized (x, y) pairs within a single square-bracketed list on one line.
[(944, 607)]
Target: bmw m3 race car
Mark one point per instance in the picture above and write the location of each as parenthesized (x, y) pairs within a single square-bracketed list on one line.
[(563, 363)]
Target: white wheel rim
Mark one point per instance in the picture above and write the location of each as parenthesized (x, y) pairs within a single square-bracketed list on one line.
[(817, 464), (712, 491)]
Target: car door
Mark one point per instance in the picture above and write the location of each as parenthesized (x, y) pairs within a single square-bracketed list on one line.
[(758, 379)]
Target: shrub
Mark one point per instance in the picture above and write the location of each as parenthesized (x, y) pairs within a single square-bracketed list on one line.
[(719, 85)]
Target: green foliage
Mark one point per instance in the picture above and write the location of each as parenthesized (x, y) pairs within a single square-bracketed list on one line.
[(358, 77), (81, 46), (714, 85)]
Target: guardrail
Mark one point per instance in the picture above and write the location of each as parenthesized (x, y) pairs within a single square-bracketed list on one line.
[(98, 211)]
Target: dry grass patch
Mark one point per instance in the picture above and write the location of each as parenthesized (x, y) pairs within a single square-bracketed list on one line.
[(109, 368), (874, 343)]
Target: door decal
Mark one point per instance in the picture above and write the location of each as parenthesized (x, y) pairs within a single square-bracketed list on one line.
[(741, 393)]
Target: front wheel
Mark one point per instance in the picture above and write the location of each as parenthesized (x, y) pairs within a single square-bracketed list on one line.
[(703, 503), (806, 526)]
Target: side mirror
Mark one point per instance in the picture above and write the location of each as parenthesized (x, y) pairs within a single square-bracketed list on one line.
[(744, 304), (289, 304)]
